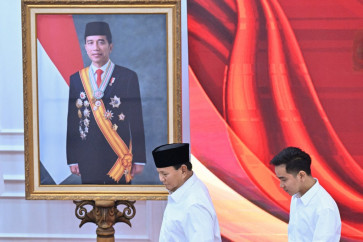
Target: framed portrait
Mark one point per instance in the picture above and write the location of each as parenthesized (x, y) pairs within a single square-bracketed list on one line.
[(102, 89)]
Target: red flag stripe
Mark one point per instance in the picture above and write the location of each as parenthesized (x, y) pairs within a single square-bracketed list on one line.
[(58, 36)]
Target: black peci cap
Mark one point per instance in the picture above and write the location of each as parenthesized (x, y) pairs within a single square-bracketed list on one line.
[(171, 154), (98, 28)]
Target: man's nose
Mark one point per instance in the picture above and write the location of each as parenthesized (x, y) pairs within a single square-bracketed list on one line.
[(95, 46), (161, 178)]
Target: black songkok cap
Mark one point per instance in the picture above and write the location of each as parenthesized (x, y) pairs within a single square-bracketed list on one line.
[(171, 154), (98, 28)]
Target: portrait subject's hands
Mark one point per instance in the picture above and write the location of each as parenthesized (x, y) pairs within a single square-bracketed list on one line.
[(136, 169), (75, 169)]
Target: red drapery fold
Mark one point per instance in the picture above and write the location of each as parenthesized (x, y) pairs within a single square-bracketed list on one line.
[(240, 75)]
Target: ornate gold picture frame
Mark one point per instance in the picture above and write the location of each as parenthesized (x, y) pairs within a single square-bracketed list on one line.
[(145, 41)]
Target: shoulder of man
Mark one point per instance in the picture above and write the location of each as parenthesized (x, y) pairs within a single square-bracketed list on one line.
[(198, 193), (76, 74), (325, 199)]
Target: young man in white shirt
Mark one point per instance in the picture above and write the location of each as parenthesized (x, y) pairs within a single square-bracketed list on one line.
[(314, 215), (189, 214)]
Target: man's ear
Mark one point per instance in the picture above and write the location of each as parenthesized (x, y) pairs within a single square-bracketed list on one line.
[(301, 174), (184, 168)]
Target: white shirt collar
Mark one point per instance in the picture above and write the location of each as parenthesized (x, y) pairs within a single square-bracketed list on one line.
[(179, 193), (94, 68), (310, 193)]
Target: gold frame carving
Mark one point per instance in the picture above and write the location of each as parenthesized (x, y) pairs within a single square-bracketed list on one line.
[(30, 8)]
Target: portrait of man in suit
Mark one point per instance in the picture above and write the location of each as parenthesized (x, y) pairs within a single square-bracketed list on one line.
[(105, 129)]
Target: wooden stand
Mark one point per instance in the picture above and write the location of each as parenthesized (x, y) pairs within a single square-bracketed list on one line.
[(105, 214)]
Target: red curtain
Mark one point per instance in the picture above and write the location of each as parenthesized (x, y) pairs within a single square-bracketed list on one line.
[(260, 97)]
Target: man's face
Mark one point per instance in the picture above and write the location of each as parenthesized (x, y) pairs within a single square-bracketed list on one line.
[(171, 178), (289, 182), (98, 49)]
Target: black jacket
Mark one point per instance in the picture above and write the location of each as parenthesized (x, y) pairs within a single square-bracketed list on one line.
[(93, 154)]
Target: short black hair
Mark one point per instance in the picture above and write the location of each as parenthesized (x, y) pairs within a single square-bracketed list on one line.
[(295, 160), (188, 164)]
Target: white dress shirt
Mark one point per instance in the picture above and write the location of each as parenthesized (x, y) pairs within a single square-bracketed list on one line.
[(314, 216), (190, 214)]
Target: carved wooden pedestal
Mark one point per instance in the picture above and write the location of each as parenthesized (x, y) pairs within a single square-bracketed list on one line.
[(105, 214)]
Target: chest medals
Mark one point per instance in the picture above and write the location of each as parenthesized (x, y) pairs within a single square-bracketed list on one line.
[(83, 105), (83, 114)]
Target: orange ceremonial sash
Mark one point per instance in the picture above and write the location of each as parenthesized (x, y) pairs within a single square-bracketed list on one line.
[(124, 162)]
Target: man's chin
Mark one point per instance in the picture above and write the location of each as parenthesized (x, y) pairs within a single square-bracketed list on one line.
[(287, 192), (170, 189), (98, 61), (291, 194)]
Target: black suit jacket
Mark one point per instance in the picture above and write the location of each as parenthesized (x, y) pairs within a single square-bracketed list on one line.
[(93, 154)]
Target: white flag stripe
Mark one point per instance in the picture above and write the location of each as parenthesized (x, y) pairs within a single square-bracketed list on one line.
[(53, 106)]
